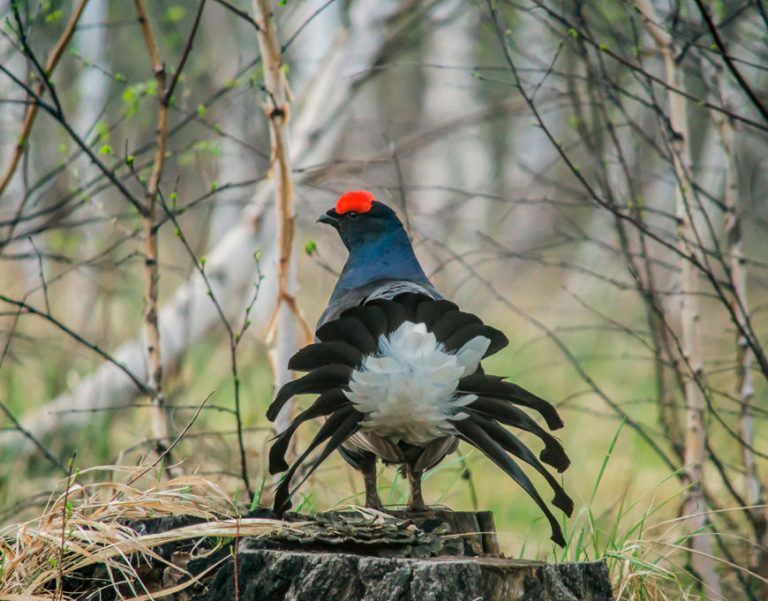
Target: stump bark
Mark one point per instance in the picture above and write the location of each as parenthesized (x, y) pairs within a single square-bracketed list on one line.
[(436, 556)]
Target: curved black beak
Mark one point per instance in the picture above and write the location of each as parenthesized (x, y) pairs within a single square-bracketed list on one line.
[(331, 218)]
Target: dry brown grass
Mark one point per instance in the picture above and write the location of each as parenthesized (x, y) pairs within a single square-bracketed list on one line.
[(83, 525)]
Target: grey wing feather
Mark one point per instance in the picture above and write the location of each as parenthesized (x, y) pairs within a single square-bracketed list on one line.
[(381, 289), (434, 453)]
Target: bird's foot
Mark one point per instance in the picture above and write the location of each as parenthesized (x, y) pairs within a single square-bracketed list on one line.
[(374, 504), (416, 502), (372, 500), (416, 508)]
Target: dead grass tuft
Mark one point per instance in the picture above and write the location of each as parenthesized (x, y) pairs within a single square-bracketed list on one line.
[(87, 524)]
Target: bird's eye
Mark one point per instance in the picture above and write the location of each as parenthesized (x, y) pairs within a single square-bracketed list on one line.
[(352, 214)]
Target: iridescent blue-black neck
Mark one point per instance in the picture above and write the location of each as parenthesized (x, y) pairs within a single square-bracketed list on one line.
[(379, 250)]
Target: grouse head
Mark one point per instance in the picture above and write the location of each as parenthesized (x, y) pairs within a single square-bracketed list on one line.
[(361, 220)]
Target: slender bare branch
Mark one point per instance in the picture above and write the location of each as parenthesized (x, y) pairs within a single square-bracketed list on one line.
[(43, 449), (150, 225), (160, 428), (277, 108), (32, 108), (26, 307), (720, 43)]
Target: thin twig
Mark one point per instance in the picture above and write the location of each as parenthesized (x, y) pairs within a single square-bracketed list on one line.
[(234, 338), (142, 387), (48, 455), (41, 272), (239, 12), (167, 451), (743, 83)]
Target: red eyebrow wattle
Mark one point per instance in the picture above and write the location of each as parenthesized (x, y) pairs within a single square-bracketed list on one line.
[(358, 201)]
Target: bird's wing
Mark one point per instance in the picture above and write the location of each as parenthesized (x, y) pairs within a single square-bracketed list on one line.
[(380, 289)]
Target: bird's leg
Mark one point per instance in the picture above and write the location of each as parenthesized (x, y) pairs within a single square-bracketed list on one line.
[(416, 502), (368, 467)]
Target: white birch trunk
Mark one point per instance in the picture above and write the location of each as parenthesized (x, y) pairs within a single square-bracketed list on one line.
[(92, 84), (753, 488), (448, 56), (694, 508)]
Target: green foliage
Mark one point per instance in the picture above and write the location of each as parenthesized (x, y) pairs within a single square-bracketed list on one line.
[(618, 536), (53, 17), (202, 148), (175, 13), (574, 121), (102, 131), (134, 93), (209, 147), (256, 501)]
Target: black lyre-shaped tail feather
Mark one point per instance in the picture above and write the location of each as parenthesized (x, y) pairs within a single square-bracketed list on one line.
[(341, 348), (509, 415), (350, 330), (325, 404), (460, 337), (512, 444), (337, 428), (320, 354), (496, 387), (473, 433), (325, 377)]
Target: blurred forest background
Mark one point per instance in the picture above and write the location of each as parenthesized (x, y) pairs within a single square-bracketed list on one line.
[(590, 176)]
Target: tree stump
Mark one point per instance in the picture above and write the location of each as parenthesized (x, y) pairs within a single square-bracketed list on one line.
[(369, 556)]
